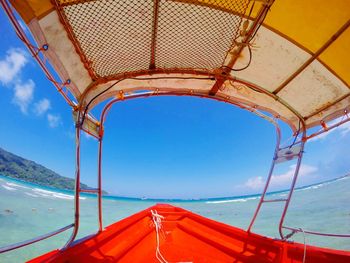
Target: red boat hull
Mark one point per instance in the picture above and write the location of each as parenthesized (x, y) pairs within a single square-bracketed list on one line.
[(185, 237)]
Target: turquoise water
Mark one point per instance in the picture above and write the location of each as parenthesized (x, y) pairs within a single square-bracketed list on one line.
[(37, 210)]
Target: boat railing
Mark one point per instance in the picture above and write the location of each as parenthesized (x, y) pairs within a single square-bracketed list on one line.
[(34, 240), (280, 156), (296, 230), (295, 151), (38, 52)]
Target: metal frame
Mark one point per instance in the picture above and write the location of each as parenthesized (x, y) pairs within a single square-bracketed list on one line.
[(268, 181), (100, 139), (218, 77), (105, 111), (152, 74), (99, 184), (326, 128), (98, 191), (296, 230), (77, 186), (174, 93), (278, 141), (78, 190), (34, 240)]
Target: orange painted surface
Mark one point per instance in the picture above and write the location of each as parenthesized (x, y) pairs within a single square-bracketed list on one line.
[(186, 237)]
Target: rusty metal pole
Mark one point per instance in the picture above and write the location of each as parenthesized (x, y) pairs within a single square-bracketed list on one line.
[(77, 185), (295, 177), (99, 184), (278, 141)]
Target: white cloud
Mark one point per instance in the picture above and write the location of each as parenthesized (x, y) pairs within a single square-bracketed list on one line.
[(42, 106), (281, 180), (23, 94), (11, 66), (286, 178), (255, 183), (54, 120)]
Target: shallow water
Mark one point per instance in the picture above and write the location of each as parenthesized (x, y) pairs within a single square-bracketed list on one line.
[(38, 210)]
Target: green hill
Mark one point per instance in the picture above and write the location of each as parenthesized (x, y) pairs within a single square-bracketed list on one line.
[(19, 168)]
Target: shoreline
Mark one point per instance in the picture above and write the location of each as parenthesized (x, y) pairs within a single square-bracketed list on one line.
[(208, 200)]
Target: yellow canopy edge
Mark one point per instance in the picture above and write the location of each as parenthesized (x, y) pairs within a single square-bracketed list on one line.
[(310, 23), (335, 54), (295, 37), (30, 9)]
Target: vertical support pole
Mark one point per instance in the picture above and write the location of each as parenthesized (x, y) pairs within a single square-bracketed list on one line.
[(99, 184), (152, 64), (77, 185), (295, 177), (278, 141)]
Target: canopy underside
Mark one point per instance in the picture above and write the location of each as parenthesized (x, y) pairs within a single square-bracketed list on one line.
[(294, 53)]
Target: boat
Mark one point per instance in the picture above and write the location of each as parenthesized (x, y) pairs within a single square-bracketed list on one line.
[(286, 61), (184, 237)]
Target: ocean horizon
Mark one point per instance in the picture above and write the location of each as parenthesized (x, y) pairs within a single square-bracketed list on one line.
[(128, 198), (28, 210)]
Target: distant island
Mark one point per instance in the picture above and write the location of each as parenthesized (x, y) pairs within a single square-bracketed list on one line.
[(17, 167)]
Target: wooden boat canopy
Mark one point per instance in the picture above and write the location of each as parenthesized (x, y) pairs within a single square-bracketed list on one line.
[(280, 59), (289, 58)]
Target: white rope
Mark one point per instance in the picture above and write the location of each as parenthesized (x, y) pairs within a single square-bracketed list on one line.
[(157, 221)]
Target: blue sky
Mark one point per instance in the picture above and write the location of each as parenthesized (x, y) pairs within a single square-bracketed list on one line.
[(157, 147)]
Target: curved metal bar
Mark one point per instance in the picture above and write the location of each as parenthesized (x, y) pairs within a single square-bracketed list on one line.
[(262, 198), (315, 233), (140, 73), (328, 128), (26, 41), (144, 95), (77, 186), (172, 93), (34, 240), (295, 177), (153, 74)]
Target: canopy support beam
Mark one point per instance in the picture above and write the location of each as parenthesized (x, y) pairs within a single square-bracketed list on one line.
[(99, 185), (314, 57), (84, 99), (152, 64), (327, 106), (77, 184), (226, 69)]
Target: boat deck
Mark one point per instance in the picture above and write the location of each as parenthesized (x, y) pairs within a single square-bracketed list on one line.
[(185, 237)]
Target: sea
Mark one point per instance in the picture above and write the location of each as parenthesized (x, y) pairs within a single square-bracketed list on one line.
[(28, 210)]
